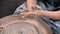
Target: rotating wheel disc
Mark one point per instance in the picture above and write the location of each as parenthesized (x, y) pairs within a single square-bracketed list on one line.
[(20, 28), (14, 25)]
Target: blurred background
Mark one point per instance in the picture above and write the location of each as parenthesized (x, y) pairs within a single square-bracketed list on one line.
[(7, 7)]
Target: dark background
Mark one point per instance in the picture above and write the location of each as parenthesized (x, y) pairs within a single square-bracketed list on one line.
[(7, 7)]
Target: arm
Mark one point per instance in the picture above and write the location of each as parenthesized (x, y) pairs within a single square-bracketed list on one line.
[(49, 14), (44, 13), (30, 4)]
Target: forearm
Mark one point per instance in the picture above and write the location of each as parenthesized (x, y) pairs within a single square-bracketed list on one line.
[(49, 14)]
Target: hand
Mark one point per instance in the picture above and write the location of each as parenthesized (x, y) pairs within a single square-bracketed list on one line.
[(23, 12), (32, 13)]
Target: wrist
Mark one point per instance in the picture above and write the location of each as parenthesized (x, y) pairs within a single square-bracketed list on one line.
[(40, 13)]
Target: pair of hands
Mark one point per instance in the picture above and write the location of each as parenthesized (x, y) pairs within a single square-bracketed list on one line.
[(31, 13)]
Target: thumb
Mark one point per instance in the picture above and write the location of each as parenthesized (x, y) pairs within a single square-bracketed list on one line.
[(38, 7)]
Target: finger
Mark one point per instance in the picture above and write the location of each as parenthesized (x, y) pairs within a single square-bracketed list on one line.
[(23, 13), (30, 9), (38, 7), (26, 14), (29, 16), (33, 8), (25, 10)]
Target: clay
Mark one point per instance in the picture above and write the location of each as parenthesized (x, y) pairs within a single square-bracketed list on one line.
[(17, 25)]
